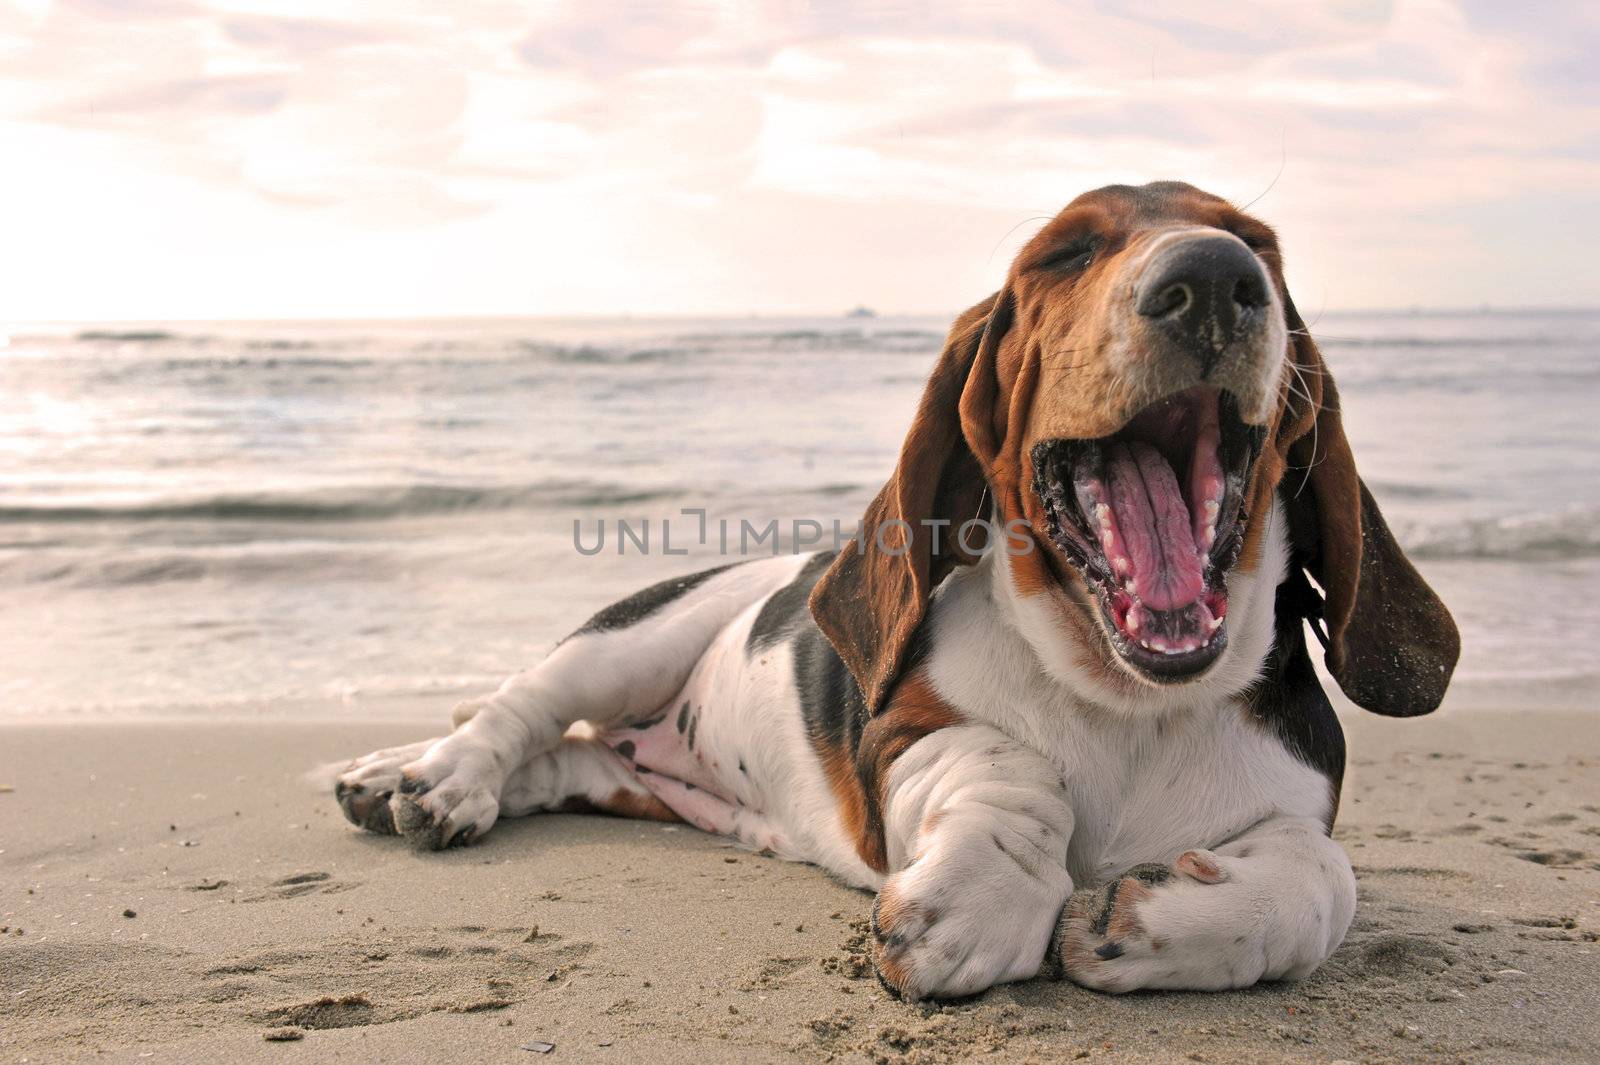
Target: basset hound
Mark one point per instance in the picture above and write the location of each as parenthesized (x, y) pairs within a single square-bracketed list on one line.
[(1094, 748)]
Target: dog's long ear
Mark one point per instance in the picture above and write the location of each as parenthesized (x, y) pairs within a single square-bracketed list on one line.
[(871, 600), (1391, 644)]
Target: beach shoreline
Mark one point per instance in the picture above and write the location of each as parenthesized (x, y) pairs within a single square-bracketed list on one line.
[(175, 890)]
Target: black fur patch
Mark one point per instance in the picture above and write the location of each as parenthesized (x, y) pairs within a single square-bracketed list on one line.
[(785, 610), (1149, 873), (1289, 698), (1102, 920), (831, 702), (642, 604)]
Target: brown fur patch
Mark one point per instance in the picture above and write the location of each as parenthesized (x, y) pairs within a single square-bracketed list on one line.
[(915, 710), (1124, 920), (839, 765), (1076, 936), (1032, 574), (891, 914), (621, 803), (860, 778), (1084, 946), (889, 910), (891, 969)]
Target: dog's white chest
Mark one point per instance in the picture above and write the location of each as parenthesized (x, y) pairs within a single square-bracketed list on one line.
[(1147, 792)]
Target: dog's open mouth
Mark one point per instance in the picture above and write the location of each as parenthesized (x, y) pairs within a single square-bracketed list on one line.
[(1153, 518)]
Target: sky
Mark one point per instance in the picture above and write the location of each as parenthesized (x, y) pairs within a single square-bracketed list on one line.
[(203, 159)]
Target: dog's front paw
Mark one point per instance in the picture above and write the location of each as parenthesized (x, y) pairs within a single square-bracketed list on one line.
[(365, 786), (447, 798), (940, 933), (1159, 926)]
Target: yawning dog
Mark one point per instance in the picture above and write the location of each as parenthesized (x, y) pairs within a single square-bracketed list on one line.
[(1093, 747)]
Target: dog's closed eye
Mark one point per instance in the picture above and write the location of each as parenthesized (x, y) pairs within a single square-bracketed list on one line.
[(1070, 258)]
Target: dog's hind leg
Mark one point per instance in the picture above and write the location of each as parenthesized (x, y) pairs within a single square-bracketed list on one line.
[(580, 775), (621, 667)]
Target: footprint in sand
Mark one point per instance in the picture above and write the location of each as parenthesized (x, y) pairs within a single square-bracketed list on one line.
[(1420, 871), (348, 1011), (293, 886), (366, 980), (1546, 922), (1396, 954), (774, 971), (1559, 857)]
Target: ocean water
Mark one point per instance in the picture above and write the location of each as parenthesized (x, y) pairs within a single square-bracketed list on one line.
[(346, 518)]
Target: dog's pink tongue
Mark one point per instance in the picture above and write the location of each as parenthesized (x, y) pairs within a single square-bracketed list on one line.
[(1154, 524)]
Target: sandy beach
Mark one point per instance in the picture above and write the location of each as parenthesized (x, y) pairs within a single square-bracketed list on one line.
[(177, 892)]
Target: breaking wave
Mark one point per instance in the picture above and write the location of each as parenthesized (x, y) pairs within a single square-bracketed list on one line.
[(350, 503), (1568, 534)]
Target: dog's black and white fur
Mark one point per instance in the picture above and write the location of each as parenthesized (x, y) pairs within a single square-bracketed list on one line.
[(973, 737)]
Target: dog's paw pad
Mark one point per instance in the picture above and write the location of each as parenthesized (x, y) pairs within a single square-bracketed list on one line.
[(413, 783), (365, 786), (420, 828), (1100, 927), (896, 924), (366, 807), (434, 810)]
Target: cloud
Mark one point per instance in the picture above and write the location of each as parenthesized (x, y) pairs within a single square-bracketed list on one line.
[(221, 96), (612, 41), (295, 36), (1409, 135)]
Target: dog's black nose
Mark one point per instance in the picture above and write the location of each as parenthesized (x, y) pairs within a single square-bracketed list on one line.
[(1201, 290)]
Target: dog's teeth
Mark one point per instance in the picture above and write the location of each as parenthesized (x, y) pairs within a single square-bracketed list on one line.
[(1214, 624), (1122, 565), (1102, 514), (1108, 541), (1132, 621), (1213, 508)]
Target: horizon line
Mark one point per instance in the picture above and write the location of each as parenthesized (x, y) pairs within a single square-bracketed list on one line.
[(1420, 310)]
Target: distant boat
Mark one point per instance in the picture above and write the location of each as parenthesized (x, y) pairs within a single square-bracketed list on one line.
[(862, 312)]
